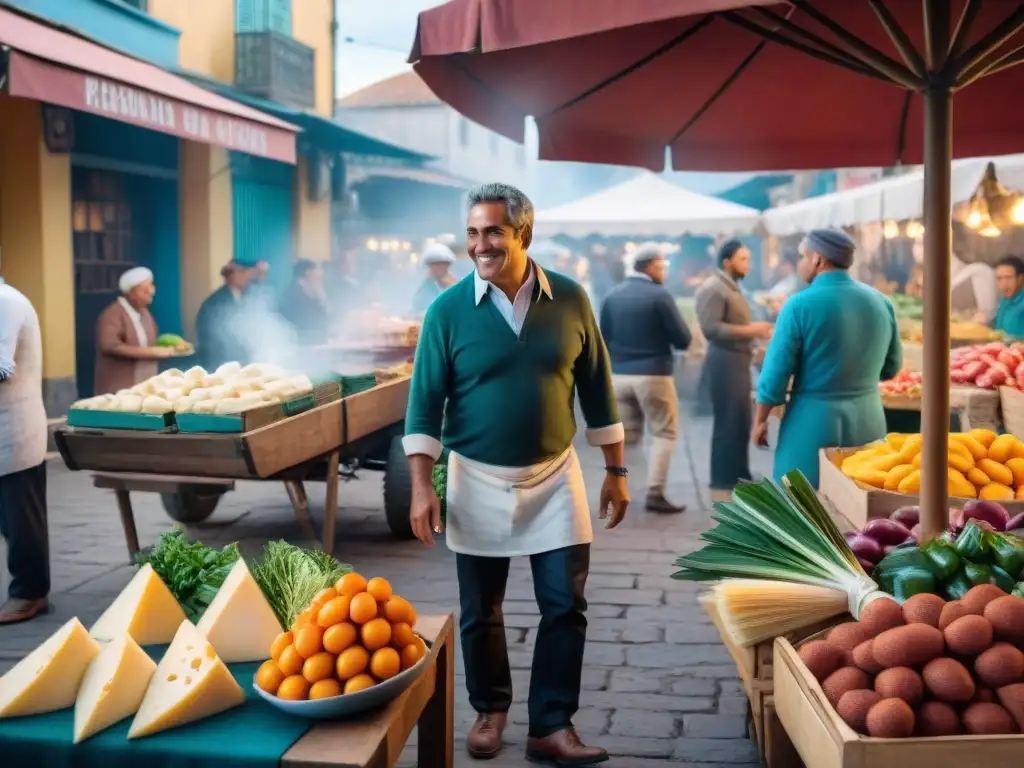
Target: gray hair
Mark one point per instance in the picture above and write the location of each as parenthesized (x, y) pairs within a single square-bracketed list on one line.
[(518, 207), (645, 253)]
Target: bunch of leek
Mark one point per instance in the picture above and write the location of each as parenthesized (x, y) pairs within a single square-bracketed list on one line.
[(781, 560)]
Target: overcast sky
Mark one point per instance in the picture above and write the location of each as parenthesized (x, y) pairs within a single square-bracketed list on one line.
[(381, 32), (375, 37)]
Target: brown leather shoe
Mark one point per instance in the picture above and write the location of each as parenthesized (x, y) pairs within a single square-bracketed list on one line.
[(656, 502), (484, 739), (17, 610), (564, 749)]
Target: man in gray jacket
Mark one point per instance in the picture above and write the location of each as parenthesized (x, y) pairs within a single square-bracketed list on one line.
[(22, 458), (725, 320)]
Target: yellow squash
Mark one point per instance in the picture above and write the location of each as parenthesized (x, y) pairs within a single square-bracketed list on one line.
[(999, 473), (979, 478), (984, 436), (896, 475), (1002, 448), (996, 492), (959, 485), (1017, 467), (911, 483), (976, 449)]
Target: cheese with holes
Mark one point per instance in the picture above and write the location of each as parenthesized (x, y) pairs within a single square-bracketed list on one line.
[(113, 687), (190, 683), (48, 678), (240, 622), (145, 609)]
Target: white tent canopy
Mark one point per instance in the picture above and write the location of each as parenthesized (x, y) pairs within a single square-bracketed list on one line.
[(646, 206), (896, 198)]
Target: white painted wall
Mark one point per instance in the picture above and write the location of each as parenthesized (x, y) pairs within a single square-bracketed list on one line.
[(463, 148)]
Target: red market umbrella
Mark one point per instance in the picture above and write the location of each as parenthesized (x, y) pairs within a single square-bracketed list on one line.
[(734, 85)]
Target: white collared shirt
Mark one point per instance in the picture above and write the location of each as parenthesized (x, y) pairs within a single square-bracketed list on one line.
[(136, 317), (514, 312)]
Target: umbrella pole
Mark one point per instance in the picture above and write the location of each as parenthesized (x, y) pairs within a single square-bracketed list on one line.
[(938, 237)]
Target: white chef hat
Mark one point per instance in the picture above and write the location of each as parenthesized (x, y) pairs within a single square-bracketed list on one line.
[(133, 277), (436, 253)]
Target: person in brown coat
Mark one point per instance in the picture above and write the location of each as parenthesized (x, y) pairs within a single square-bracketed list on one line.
[(126, 336)]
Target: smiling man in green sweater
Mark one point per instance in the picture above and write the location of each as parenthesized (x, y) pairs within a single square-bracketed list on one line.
[(501, 357)]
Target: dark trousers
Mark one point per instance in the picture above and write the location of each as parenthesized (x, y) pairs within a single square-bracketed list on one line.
[(729, 383), (559, 580), (23, 525)]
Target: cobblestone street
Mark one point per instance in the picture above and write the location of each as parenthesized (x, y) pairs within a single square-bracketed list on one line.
[(660, 689)]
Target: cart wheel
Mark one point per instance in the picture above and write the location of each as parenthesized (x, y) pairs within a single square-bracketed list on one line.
[(187, 506), (398, 491)]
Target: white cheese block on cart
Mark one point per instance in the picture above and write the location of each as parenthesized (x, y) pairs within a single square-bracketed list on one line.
[(113, 687), (48, 678), (239, 622), (145, 609), (191, 683)]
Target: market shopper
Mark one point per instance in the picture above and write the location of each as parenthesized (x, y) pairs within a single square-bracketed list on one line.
[(126, 351), (22, 459), (304, 304), (835, 340), (642, 326), (438, 260), (725, 321), (221, 329), (1010, 313), (499, 358)]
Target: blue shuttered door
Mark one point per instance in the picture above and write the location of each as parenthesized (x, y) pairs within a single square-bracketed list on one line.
[(262, 195)]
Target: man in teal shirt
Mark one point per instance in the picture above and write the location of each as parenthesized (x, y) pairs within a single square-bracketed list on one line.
[(1010, 281), (835, 340)]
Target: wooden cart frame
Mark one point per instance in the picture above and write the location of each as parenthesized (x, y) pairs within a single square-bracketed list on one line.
[(303, 448)]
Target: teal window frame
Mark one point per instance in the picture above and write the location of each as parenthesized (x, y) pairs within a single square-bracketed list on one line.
[(264, 16)]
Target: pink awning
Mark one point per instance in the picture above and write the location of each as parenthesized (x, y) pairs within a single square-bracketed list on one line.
[(57, 67)]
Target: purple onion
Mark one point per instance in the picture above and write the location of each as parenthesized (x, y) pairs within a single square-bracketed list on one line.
[(986, 511), (886, 532), (908, 517), (1016, 522), (866, 548)]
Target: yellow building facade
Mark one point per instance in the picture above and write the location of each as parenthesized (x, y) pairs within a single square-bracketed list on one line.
[(207, 47), (58, 204)]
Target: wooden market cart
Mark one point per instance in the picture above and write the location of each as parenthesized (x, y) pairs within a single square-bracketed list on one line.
[(192, 471)]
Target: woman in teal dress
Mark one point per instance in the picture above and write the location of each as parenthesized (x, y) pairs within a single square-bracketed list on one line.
[(835, 340)]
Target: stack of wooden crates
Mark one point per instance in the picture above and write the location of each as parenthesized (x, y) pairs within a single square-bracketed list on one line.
[(754, 665)]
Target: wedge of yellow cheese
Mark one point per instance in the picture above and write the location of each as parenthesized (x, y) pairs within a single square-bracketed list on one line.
[(145, 609), (190, 683), (48, 678), (240, 622), (113, 687)]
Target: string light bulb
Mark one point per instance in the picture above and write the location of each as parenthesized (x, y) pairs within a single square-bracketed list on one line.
[(890, 230), (1017, 212), (974, 218), (915, 230), (990, 230)]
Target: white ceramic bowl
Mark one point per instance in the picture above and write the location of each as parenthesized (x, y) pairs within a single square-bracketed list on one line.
[(349, 704)]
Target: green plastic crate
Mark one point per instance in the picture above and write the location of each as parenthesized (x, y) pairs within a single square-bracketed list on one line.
[(353, 385), (143, 422)]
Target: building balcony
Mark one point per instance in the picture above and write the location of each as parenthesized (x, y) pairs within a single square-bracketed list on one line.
[(275, 67)]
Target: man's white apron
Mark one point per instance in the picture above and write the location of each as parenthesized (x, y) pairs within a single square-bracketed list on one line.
[(511, 511)]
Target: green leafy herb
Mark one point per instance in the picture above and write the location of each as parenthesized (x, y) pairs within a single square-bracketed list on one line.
[(440, 482), (291, 577), (192, 571)]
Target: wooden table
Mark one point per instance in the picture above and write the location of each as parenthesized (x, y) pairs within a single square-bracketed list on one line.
[(377, 741)]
